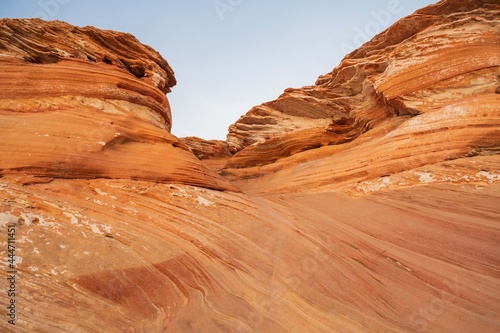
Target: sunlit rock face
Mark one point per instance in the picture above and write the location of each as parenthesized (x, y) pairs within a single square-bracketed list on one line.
[(366, 203)]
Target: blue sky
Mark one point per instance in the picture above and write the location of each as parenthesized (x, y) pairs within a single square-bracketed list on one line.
[(230, 55)]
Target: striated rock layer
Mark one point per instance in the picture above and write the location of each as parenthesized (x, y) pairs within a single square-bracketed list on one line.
[(365, 203), (91, 104), (134, 256), (207, 149), (422, 92)]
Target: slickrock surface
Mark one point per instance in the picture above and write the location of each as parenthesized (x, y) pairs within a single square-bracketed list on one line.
[(366, 203), (135, 256)]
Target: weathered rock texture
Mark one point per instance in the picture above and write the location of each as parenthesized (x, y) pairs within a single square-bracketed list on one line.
[(366, 203), (422, 92), (207, 149), (135, 256), (87, 103)]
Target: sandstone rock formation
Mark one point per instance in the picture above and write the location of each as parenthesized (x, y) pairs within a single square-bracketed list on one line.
[(207, 149), (365, 203), (91, 104), (417, 94), (214, 153)]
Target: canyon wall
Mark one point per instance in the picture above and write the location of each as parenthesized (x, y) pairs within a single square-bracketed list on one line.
[(423, 92), (365, 203)]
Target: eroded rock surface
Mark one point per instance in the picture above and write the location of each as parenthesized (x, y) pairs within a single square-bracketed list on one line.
[(422, 92), (366, 203), (207, 149), (87, 103), (136, 256)]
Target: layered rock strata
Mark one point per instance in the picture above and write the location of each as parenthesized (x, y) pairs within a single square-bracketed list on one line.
[(422, 92), (89, 105), (207, 149), (366, 203), (138, 256)]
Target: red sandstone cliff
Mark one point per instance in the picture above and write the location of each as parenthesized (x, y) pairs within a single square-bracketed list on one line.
[(365, 203)]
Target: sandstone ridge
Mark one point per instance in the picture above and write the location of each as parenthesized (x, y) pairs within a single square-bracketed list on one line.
[(420, 93)]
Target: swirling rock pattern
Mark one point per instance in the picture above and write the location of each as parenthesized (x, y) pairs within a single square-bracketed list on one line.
[(425, 77), (137, 256), (366, 203), (89, 105)]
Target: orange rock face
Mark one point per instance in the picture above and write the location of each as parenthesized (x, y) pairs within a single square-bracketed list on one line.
[(365, 203), (207, 149), (89, 105), (419, 93)]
